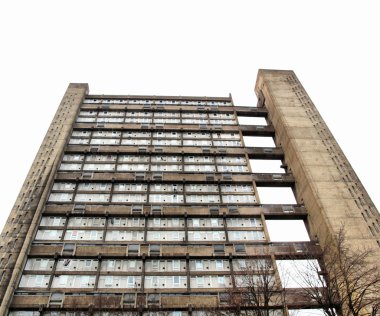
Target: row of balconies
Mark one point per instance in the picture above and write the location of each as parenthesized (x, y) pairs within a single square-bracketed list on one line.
[(154, 113), (253, 152), (239, 110), (248, 130), (155, 120), (147, 283), (135, 235), (173, 159), (125, 266), (161, 250), (152, 223), (261, 179), (101, 133), (273, 211), (157, 100), (140, 304)]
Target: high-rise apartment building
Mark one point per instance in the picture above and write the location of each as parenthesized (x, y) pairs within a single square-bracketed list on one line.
[(144, 204)]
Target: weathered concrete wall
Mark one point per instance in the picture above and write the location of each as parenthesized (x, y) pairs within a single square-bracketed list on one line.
[(325, 181), (19, 228)]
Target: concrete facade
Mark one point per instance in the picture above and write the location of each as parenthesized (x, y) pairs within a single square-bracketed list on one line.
[(147, 204)]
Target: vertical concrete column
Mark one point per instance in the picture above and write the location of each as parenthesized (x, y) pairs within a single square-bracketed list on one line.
[(325, 181), (24, 217)]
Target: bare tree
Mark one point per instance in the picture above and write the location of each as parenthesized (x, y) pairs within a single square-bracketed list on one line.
[(256, 292), (344, 282)]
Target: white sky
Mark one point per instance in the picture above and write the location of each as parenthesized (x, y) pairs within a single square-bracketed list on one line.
[(202, 48)]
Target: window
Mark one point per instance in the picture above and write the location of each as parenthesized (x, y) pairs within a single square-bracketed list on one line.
[(131, 281), (239, 199), (92, 197), (176, 281), (132, 264), (219, 265), (121, 198), (221, 280), (241, 264), (23, 313), (216, 235), (200, 281), (63, 280), (40, 281), (199, 265), (60, 197), (108, 281), (63, 186), (167, 198), (49, 234), (84, 280), (111, 265), (39, 264), (155, 265), (195, 222), (176, 265)]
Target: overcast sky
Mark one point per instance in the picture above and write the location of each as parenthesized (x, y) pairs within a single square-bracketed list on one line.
[(201, 48)]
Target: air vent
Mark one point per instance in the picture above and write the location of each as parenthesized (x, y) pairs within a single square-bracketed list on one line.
[(219, 249), (157, 176), (68, 249), (87, 175), (156, 209), (276, 176), (214, 210), (224, 298), (288, 209), (153, 299), (233, 209), (129, 299), (140, 176), (137, 209), (240, 248), (210, 178), (79, 208), (56, 299), (227, 176), (155, 250), (133, 250)]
